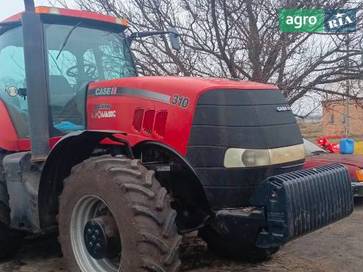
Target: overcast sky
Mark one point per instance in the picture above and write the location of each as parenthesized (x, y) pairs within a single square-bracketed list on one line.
[(11, 7)]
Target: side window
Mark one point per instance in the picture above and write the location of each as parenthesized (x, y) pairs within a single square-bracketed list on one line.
[(12, 77)]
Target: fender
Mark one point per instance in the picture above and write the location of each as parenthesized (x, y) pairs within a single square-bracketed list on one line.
[(193, 207), (34, 187), (147, 144), (69, 151)]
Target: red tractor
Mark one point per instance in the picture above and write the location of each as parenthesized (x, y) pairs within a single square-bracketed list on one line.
[(122, 165)]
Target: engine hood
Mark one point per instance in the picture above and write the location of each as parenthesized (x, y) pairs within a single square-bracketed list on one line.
[(112, 104)]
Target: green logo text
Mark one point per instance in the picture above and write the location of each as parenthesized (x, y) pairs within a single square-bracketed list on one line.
[(301, 20)]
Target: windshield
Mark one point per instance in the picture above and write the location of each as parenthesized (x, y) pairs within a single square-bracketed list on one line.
[(106, 52), (78, 55), (312, 149)]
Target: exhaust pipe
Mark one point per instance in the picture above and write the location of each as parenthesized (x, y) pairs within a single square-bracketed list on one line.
[(29, 6), (36, 82)]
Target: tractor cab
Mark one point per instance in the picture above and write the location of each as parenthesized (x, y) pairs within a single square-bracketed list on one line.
[(80, 47)]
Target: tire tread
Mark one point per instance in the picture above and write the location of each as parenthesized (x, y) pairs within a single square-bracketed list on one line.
[(148, 200)]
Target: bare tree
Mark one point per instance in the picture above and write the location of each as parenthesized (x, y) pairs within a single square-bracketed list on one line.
[(240, 39), (62, 3)]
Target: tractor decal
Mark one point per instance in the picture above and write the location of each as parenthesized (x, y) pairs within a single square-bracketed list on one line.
[(103, 111), (180, 101), (130, 92), (105, 91)]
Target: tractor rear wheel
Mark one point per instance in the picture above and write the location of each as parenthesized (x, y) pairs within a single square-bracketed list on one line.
[(227, 247), (115, 216)]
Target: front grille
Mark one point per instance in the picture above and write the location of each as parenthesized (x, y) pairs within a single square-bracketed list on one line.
[(300, 202), (242, 119)]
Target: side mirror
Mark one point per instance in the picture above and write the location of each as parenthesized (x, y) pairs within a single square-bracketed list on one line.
[(174, 38)]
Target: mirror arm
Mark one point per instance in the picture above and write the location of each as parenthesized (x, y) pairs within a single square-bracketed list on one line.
[(22, 92), (173, 35)]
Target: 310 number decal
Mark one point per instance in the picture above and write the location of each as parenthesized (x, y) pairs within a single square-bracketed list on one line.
[(180, 101)]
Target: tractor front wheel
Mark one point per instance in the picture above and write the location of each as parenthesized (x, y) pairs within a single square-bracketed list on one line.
[(115, 216)]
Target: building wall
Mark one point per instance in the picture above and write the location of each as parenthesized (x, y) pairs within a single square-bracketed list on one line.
[(333, 120)]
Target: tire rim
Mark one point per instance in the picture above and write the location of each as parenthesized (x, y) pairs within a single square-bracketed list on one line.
[(87, 209)]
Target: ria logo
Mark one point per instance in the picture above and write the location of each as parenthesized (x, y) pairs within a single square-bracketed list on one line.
[(340, 20), (283, 108)]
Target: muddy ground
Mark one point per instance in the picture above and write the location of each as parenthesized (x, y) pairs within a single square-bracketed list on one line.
[(336, 248)]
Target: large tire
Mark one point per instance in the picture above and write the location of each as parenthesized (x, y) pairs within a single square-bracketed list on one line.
[(139, 205), (10, 240), (228, 246)]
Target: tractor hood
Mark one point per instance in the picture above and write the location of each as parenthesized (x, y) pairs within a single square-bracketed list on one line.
[(256, 115)]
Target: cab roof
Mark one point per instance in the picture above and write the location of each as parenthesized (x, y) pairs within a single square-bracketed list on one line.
[(71, 13)]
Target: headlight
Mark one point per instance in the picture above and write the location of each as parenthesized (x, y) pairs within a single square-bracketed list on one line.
[(359, 175), (251, 158), (238, 157)]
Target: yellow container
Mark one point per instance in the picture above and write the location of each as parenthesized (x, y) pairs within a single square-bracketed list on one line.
[(358, 148)]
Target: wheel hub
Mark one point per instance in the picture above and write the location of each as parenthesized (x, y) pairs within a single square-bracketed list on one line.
[(100, 237), (95, 239)]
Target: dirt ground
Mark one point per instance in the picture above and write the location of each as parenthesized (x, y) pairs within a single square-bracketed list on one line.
[(336, 248)]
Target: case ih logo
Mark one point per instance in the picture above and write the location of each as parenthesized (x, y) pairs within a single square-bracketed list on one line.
[(105, 91), (102, 111)]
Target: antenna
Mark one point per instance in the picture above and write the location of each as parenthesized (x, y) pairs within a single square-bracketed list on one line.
[(29, 6)]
